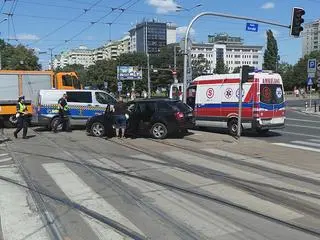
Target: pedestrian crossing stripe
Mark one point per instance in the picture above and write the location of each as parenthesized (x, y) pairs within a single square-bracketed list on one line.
[(312, 145)]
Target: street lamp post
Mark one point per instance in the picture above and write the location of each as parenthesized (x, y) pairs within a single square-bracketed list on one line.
[(217, 15)]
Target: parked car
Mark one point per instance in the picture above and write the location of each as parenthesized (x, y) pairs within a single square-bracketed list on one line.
[(157, 117)]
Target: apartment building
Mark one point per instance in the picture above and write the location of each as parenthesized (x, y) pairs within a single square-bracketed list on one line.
[(310, 37)]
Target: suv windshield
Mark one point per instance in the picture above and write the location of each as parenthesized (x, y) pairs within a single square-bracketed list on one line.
[(271, 93), (105, 98)]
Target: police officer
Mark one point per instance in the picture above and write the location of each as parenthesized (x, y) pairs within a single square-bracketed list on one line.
[(63, 114), (22, 118)]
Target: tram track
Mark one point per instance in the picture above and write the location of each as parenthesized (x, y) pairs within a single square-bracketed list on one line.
[(209, 174)]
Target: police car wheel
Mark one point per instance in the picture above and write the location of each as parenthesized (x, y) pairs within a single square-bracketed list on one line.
[(97, 129), (54, 122), (233, 127)]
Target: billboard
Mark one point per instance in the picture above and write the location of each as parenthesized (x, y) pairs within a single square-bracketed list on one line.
[(129, 73)]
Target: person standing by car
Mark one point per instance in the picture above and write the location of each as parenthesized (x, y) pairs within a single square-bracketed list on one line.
[(22, 121), (63, 114), (120, 118)]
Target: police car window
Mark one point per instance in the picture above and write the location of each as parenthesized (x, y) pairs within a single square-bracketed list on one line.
[(80, 97), (104, 98)]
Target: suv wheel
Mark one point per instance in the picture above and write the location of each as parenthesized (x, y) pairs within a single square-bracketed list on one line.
[(97, 129), (159, 131)]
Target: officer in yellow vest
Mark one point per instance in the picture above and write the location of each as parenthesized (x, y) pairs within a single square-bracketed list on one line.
[(63, 115), (22, 121)]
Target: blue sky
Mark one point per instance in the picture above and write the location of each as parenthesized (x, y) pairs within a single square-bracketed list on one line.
[(65, 24)]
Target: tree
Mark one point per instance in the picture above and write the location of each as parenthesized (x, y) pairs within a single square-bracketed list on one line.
[(221, 68), (286, 72), (236, 70), (271, 56), (18, 57), (200, 66)]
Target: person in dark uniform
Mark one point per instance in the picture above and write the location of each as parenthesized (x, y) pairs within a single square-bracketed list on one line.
[(63, 114), (22, 118)]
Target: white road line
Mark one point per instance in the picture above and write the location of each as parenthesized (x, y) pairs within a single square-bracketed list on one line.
[(78, 191), (311, 144), (301, 126), (231, 194), (297, 134), (5, 159), (4, 154), (297, 147), (182, 210), (264, 163), (18, 220), (233, 171), (314, 140), (302, 120)]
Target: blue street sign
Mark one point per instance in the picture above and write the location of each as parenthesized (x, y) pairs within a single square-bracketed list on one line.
[(252, 27), (309, 82), (312, 65)]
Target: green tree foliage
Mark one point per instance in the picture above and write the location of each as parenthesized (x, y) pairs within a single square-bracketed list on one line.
[(18, 57), (200, 66), (221, 68), (236, 70), (286, 72), (271, 53)]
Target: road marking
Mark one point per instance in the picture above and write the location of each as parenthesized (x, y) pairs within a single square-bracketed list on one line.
[(302, 120), (192, 215), (297, 146), (4, 154), (298, 134), (18, 220), (230, 193), (311, 144), (301, 126), (5, 159), (314, 140), (78, 191), (263, 163)]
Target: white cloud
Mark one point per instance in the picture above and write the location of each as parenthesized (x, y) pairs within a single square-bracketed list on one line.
[(163, 6), (26, 36), (181, 31), (268, 5)]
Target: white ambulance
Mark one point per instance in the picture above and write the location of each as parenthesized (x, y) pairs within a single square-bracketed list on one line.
[(215, 100)]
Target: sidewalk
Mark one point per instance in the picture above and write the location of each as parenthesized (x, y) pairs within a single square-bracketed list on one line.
[(256, 148)]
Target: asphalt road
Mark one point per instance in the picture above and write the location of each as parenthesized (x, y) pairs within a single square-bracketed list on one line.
[(90, 188)]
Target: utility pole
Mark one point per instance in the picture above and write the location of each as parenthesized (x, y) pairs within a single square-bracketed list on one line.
[(149, 80), (175, 64), (51, 59)]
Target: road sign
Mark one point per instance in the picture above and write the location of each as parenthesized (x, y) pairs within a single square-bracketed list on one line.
[(309, 82), (252, 27), (312, 64), (119, 86), (312, 75)]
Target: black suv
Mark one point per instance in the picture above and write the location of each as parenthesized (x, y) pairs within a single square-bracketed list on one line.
[(158, 117)]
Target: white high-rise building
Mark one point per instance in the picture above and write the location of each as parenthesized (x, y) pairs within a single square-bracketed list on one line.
[(311, 41)]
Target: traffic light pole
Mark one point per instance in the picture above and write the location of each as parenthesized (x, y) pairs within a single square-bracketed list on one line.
[(217, 15)]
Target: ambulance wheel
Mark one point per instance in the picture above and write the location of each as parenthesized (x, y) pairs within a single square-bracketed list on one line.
[(233, 127)]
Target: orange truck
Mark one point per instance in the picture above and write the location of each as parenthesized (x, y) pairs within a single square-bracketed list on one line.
[(16, 83)]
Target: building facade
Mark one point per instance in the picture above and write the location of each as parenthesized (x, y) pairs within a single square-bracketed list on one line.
[(233, 55), (310, 38), (87, 57), (151, 36)]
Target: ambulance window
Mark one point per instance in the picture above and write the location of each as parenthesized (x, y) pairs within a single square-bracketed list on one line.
[(271, 93), (79, 97)]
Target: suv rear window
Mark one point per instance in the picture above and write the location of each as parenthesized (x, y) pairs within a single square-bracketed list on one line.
[(180, 106)]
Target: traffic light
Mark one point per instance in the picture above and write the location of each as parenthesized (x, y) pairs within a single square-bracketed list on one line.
[(296, 21), (245, 70)]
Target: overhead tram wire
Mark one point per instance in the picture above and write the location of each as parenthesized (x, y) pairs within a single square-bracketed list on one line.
[(97, 21), (67, 23), (4, 2)]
